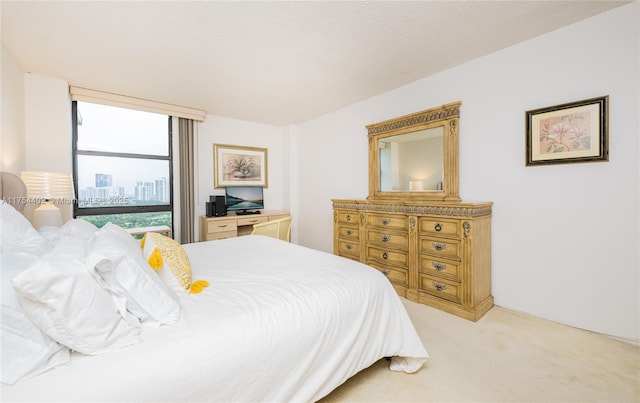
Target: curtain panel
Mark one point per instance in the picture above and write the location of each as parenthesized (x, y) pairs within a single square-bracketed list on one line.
[(186, 141)]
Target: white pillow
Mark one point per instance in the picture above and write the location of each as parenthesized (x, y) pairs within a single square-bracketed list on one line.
[(64, 301), (78, 228), (50, 233), (115, 259), (26, 350), (17, 234)]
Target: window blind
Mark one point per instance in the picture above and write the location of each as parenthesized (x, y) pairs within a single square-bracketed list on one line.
[(123, 101)]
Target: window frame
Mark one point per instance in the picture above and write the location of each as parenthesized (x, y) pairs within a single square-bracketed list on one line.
[(92, 211)]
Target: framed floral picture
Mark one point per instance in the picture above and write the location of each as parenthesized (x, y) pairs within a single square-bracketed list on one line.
[(572, 132), (239, 166)]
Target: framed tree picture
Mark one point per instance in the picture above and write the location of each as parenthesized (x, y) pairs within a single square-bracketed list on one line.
[(567, 133), (239, 166)]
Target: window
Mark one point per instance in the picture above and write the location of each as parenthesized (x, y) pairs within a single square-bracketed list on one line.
[(122, 166)]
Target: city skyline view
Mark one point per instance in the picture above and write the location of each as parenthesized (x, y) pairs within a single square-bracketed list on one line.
[(108, 192)]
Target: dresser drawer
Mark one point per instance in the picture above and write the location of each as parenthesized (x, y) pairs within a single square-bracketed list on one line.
[(438, 227), (350, 249), (251, 220), (440, 247), (221, 235), (348, 217), (440, 267), (388, 238), (348, 233), (396, 275), (388, 256), (387, 221), (221, 226), (441, 288)]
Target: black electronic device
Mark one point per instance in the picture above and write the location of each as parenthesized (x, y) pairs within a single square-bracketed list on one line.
[(245, 200), (216, 207)]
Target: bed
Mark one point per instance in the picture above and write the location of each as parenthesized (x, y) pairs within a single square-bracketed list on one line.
[(277, 322)]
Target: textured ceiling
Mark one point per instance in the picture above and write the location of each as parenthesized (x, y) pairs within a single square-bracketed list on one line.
[(272, 62)]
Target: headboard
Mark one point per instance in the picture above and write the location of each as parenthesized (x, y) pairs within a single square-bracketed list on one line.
[(12, 190)]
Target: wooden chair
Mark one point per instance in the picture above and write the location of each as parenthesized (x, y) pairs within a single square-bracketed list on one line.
[(280, 228)]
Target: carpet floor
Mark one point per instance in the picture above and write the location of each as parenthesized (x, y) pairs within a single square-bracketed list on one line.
[(506, 356)]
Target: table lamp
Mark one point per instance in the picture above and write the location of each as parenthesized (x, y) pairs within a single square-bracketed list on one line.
[(416, 185), (47, 188)]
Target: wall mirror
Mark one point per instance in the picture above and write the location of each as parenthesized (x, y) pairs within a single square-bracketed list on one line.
[(415, 156)]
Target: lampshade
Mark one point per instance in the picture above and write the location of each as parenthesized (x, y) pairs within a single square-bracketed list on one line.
[(47, 188), (47, 185)]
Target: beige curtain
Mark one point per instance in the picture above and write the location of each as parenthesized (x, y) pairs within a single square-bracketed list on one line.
[(186, 140)]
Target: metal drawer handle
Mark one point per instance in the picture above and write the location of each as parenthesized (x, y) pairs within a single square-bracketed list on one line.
[(348, 217), (437, 227), (385, 255), (439, 266), (385, 221), (439, 246), (439, 286), (386, 238), (349, 246), (386, 272), (349, 231)]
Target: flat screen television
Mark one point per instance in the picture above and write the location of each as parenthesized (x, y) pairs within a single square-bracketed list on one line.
[(245, 200)]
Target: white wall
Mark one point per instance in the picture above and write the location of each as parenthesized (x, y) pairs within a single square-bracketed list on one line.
[(565, 238), (48, 124), (36, 124), (221, 130), (48, 132), (12, 145)]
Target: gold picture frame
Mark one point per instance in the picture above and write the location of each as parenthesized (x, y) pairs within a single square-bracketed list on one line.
[(239, 166), (568, 133)]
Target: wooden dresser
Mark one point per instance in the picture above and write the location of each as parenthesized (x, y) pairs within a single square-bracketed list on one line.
[(434, 248), (435, 253), (232, 225)]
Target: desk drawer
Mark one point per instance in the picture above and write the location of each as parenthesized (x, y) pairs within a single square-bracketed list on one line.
[(251, 220), (277, 216), (221, 235), (221, 226)]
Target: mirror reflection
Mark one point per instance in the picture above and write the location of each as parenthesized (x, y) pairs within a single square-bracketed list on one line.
[(412, 161)]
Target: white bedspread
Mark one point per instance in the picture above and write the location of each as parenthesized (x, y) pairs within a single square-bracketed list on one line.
[(279, 322)]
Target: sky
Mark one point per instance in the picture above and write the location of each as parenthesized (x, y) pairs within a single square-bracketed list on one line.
[(107, 128)]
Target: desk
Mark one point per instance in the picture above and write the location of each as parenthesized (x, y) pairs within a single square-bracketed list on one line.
[(231, 226), (140, 231)]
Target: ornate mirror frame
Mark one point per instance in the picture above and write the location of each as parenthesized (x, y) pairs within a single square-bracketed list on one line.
[(446, 116)]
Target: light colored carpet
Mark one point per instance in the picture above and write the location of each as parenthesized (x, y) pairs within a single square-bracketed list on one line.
[(506, 356)]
